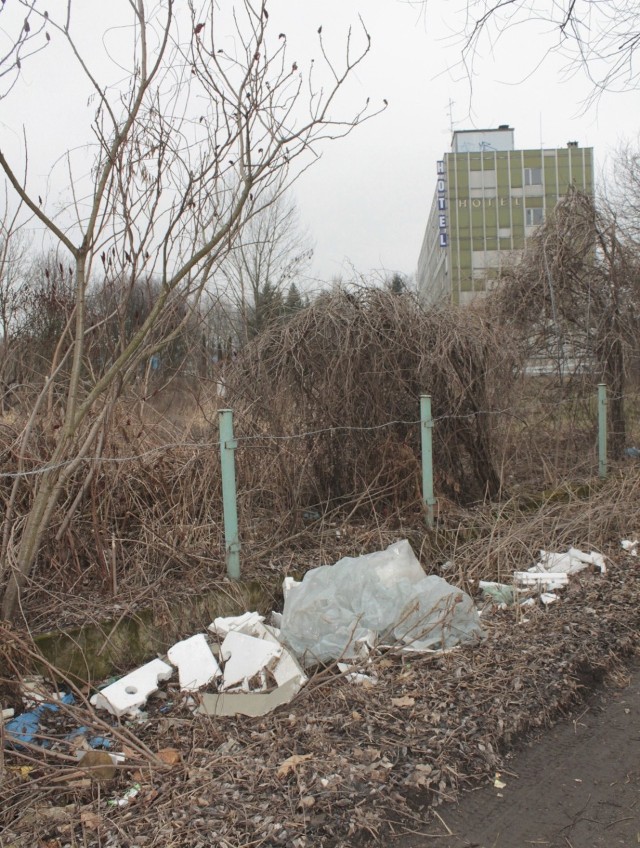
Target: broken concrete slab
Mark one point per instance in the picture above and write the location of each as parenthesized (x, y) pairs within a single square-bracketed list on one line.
[(131, 691), (247, 703), (196, 664)]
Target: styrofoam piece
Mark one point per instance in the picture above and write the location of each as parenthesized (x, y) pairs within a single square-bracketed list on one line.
[(132, 690), (245, 657), (354, 676), (530, 578), (287, 667), (247, 703), (276, 620), (571, 562), (242, 623), (548, 598), (196, 664), (8, 713), (288, 584), (630, 547)]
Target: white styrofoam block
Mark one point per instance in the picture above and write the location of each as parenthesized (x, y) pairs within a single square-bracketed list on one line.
[(571, 562), (242, 623), (132, 690), (245, 657), (288, 584), (196, 664), (548, 598), (287, 667), (551, 579), (631, 546)]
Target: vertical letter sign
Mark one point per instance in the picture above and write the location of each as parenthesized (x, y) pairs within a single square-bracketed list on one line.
[(442, 205)]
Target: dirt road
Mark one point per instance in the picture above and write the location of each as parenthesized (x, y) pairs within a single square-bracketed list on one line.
[(576, 786)]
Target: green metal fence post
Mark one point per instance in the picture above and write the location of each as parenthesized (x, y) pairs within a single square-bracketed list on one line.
[(228, 446), (426, 427), (602, 429)]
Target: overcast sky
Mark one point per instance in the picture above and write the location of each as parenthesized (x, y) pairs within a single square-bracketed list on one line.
[(365, 202)]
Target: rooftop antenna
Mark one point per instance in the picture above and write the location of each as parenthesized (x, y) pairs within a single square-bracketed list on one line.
[(451, 104)]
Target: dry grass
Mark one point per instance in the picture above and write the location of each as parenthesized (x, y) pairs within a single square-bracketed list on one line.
[(328, 461)]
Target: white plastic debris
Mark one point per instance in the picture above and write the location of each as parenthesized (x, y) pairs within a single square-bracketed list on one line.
[(8, 713), (570, 562), (131, 691), (630, 547), (245, 658), (288, 584), (502, 594), (242, 623), (353, 675), (124, 799), (385, 594), (287, 666), (196, 664), (541, 580), (548, 598)]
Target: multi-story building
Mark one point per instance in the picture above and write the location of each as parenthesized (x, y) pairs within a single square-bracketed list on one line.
[(489, 198)]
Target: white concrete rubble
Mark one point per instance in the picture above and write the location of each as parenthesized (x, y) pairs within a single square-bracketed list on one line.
[(131, 691), (196, 664)]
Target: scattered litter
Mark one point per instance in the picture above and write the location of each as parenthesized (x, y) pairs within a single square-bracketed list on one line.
[(99, 765), (570, 562), (128, 795), (499, 784), (24, 729), (132, 690), (384, 595), (632, 452), (196, 664), (548, 598), (355, 675), (541, 580), (499, 593), (8, 713), (630, 547)]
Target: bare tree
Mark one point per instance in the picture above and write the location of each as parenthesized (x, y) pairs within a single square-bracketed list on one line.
[(208, 118), (271, 255), (622, 190), (572, 296), (14, 259), (600, 37)]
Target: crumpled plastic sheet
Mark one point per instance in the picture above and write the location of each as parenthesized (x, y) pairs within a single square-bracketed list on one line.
[(337, 610)]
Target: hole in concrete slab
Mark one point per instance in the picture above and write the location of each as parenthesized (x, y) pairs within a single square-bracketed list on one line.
[(131, 690)]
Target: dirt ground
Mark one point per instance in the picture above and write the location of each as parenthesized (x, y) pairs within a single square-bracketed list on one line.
[(575, 786)]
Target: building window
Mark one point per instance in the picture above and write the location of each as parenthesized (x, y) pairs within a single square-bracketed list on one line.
[(532, 176), (534, 216)]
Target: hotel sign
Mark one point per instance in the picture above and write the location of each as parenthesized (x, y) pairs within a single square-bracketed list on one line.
[(442, 205)]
